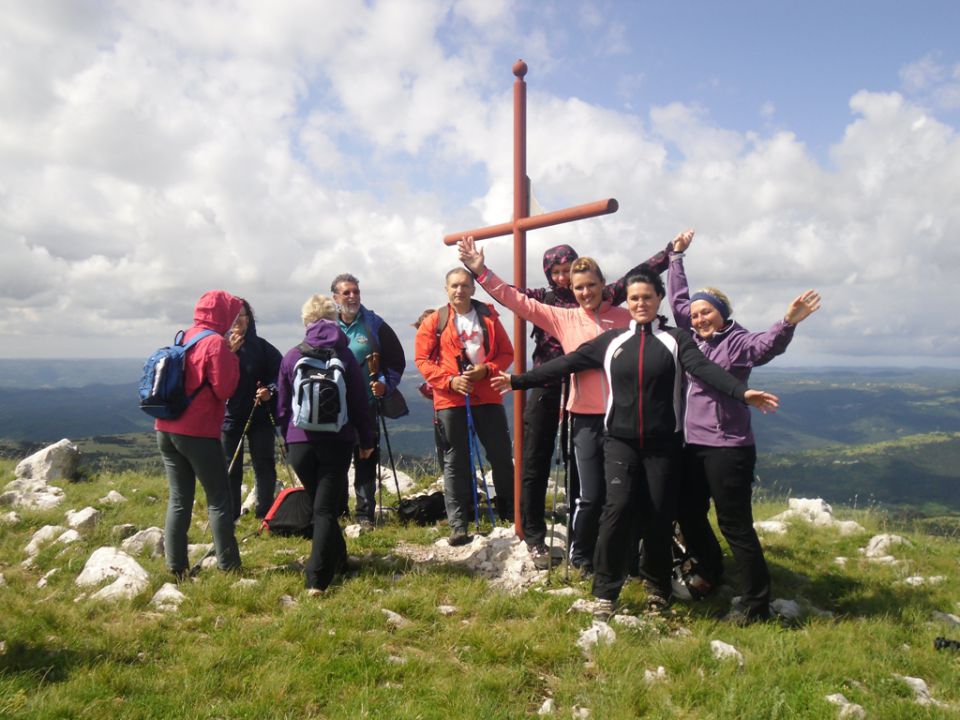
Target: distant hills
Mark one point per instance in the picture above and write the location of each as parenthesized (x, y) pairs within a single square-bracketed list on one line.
[(866, 435)]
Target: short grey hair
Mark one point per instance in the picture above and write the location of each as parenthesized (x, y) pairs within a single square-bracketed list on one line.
[(342, 278), (318, 307)]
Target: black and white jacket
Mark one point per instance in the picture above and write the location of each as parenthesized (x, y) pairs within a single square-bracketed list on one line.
[(644, 367)]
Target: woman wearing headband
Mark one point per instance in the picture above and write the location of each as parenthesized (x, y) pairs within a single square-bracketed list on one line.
[(720, 455)]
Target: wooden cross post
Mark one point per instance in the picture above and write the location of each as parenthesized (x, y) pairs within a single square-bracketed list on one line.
[(518, 226)]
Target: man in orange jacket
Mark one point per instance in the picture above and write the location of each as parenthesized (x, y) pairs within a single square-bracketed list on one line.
[(458, 349)]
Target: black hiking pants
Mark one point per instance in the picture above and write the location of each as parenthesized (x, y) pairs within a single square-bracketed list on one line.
[(641, 488), (322, 465), (726, 475), (541, 418)]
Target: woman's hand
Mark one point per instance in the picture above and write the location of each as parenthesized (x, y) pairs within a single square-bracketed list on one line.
[(470, 256), (235, 340), (501, 383), (763, 401), (378, 389), (803, 307), (682, 241)]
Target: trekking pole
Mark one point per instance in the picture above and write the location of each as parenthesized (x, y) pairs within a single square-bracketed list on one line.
[(473, 473), (556, 482), (474, 446), (567, 479), (373, 370), (386, 436), (294, 480), (246, 428)]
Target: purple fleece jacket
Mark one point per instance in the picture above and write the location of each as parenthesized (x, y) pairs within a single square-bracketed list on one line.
[(712, 418), (326, 333)]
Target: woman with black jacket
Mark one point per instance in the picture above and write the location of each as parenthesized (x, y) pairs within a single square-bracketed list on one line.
[(644, 365)]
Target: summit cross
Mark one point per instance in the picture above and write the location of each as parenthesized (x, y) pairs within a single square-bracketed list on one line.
[(518, 226)]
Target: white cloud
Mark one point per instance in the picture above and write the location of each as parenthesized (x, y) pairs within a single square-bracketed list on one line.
[(153, 151)]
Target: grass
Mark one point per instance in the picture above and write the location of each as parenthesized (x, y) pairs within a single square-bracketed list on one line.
[(234, 652)]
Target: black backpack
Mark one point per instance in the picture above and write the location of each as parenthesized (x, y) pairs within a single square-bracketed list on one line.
[(290, 514), (422, 509)]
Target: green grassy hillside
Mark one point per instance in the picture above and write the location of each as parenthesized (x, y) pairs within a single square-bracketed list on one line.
[(238, 653)]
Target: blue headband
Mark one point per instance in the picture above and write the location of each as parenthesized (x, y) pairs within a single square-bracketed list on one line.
[(719, 304)]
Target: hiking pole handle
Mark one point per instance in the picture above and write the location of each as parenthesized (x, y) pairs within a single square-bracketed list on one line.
[(246, 428)]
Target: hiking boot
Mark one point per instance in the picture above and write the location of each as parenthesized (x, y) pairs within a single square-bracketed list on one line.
[(656, 604), (314, 592), (540, 554), (459, 537), (601, 608), (366, 524)]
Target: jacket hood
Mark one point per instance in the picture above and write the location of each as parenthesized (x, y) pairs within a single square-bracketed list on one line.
[(216, 310), (557, 256), (326, 333)]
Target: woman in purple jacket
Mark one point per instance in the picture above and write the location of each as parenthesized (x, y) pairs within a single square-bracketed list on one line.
[(720, 454), (321, 459)]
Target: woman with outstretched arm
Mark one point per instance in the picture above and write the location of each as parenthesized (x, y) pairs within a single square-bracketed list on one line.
[(643, 366), (595, 313), (720, 455)]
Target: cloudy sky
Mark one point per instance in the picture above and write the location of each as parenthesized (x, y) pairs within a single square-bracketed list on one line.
[(150, 151)]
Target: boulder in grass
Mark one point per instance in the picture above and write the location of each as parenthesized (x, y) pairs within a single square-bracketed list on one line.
[(54, 462), (85, 519), (599, 633), (109, 563), (725, 651), (149, 540), (848, 710), (168, 598), (880, 545), (112, 498), (46, 534)]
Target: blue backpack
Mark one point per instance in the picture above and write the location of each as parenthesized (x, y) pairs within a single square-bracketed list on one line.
[(162, 394)]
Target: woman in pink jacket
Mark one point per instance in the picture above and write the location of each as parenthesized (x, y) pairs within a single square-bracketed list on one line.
[(190, 444), (588, 389)]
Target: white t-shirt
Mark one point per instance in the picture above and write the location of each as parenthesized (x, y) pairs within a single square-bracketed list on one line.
[(471, 336)]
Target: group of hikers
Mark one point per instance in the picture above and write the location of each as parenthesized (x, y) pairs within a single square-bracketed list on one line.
[(658, 417)]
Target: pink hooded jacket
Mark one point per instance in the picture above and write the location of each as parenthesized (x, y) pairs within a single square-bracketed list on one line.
[(210, 361), (572, 327)]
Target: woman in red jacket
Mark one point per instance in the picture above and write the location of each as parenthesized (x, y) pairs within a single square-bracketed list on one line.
[(190, 444)]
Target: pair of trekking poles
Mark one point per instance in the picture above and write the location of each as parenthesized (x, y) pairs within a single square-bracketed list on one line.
[(473, 452)]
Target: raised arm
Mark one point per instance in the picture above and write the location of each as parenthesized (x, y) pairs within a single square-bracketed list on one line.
[(678, 290), (543, 316), (697, 364), (616, 292), (756, 349)]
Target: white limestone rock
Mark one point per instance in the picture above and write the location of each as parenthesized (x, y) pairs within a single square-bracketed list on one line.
[(112, 498), (42, 582), (168, 598), (122, 532), (628, 621), (580, 713), (245, 584), (921, 692), (68, 537), (771, 527), (446, 610), (881, 545), (599, 633), (948, 618), (652, 677), (109, 563), (787, 609), (395, 620), (31, 495), (547, 707), (725, 651), (54, 462), (848, 710), (85, 519), (9, 518), (46, 534), (149, 540), (817, 512), (288, 602), (3, 580)]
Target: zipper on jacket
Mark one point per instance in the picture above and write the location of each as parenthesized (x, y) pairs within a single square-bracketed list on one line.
[(640, 386)]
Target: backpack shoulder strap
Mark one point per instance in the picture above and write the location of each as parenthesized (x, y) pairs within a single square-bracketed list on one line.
[(550, 297), (483, 311), (443, 317), (194, 340)]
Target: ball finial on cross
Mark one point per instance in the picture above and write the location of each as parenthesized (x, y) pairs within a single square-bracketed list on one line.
[(519, 68)]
